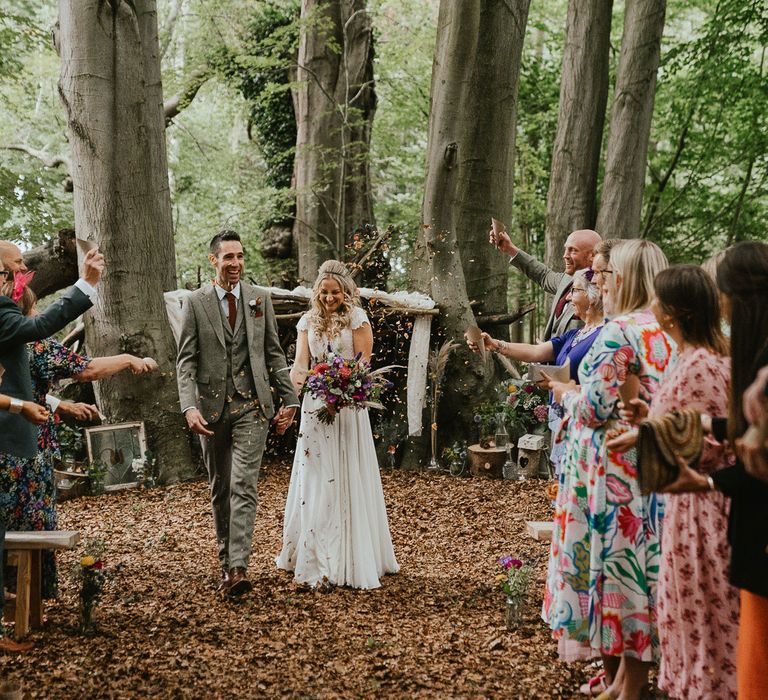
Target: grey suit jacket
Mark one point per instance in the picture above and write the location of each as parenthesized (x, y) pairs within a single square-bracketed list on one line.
[(553, 283), (18, 436), (201, 365)]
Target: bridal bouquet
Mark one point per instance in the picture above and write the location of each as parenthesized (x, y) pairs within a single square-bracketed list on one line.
[(345, 383)]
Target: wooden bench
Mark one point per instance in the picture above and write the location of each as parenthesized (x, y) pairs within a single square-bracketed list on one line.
[(25, 551)]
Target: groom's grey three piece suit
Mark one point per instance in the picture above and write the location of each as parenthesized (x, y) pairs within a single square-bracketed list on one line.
[(229, 375)]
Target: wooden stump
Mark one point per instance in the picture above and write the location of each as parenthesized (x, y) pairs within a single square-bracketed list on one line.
[(486, 461)]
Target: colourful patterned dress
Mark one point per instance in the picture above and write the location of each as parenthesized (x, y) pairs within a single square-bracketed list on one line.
[(604, 559), (698, 607), (30, 482)]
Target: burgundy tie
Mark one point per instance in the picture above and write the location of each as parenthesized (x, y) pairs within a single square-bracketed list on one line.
[(232, 309), (562, 301)]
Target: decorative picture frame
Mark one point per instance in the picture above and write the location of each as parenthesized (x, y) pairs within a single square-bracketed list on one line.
[(119, 447)]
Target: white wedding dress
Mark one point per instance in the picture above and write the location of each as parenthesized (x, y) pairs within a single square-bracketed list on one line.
[(335, 525)]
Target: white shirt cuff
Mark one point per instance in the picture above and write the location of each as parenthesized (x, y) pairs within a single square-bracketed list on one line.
[(53, 402), (512, 257), (188, 408), (86, 289)]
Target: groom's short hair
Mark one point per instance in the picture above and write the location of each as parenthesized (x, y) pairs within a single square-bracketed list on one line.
[(225, 235)]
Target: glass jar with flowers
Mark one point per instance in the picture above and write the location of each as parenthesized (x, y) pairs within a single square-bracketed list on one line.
[(514, 580)]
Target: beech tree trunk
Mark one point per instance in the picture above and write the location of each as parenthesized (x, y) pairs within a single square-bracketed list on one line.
[(470, 167), (335, 103), (112, 95), (621, 201), (571, 201)]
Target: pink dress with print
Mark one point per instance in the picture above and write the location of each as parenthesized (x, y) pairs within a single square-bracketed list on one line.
[(698, 609)]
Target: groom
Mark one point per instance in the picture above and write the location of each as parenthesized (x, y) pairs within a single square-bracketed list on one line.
[(229, 356)]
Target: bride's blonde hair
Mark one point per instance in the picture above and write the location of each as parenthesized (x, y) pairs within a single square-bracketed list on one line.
[(332, 325)]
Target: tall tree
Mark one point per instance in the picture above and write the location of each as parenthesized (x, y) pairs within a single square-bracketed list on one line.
[(470, 167), (112, 94), (571, 202), (335, 102), (621, 201)]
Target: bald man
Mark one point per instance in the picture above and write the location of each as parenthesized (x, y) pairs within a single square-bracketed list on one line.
[(11, 257), (578, 254)]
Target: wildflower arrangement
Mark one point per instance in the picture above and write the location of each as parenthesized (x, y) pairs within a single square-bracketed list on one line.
[(345, 383), (515, 576), (89, 573), (523, 404), (455, 453)]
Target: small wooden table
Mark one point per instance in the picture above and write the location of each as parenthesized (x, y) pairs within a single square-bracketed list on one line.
[(25, 553)]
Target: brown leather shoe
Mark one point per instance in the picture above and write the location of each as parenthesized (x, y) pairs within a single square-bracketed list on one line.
[(238, 582), (224, 582), (9, 645)]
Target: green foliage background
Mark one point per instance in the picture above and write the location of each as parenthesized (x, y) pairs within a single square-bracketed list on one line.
[(230, 151)]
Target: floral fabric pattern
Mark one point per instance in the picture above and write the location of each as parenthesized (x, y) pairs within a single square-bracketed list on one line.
[(698, 607), (605, 553), (29, 482)]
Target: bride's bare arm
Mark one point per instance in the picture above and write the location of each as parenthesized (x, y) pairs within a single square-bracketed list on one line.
[(301, 361), (362, 341)]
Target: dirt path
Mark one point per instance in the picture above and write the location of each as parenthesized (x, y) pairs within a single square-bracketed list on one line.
[(433, 630)]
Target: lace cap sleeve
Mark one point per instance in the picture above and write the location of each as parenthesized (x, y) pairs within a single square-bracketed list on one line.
[(359, 318), (303, 324)]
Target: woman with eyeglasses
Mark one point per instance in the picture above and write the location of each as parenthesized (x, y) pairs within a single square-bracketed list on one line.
[(606, 543)]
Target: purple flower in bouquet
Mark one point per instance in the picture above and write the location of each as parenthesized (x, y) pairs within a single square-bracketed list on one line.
[(341, 382), (515, 577)]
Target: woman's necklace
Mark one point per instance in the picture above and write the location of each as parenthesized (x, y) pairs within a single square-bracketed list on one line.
[(583, 333)]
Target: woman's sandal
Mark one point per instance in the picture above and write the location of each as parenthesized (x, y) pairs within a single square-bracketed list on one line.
[(594, 686)]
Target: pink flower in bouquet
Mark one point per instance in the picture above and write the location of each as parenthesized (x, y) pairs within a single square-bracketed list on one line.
[(541, 413)]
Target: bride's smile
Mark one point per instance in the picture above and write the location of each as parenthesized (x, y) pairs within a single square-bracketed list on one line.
[(331, 295)]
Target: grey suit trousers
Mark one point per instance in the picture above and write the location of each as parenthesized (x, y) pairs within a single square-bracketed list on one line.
[(233, 460)]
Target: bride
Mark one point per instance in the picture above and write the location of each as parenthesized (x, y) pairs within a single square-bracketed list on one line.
[(335, 526)]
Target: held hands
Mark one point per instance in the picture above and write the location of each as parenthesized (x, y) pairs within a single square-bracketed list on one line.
[(142, 365), (752, 448), (621, 441), (284, 418), (488, 342), (83, 412), (502, 241), (34, 413), (559, 389), (688, 479), (93, 266), (635, 412), (197, 423)]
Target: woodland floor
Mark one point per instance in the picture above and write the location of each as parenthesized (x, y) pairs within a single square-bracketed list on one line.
[(434, 630)]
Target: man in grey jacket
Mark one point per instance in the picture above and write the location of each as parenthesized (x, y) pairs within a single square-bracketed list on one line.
[(578, 254), (229, 358)]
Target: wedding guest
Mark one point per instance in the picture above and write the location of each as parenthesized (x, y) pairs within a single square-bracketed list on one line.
[(335, 529), (577, 255), (570, 347), (33, 506), (18, 445), (742, 277), (601, 589), (698, 609)]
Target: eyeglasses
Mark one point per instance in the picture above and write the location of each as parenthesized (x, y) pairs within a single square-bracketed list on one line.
[(5, 273), (578, 289)]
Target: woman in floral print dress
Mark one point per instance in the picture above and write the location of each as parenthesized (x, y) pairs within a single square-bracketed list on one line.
[(698, 607), (601, 587)]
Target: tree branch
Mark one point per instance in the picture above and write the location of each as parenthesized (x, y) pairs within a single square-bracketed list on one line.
[(42, 156), (180, 101)]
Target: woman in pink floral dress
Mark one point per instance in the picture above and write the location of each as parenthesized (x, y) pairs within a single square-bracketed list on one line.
[(601, 586), (698, 609)]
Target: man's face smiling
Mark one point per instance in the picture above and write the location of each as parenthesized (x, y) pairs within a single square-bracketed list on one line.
[(229, 264), (577, 255), (12, 258)]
